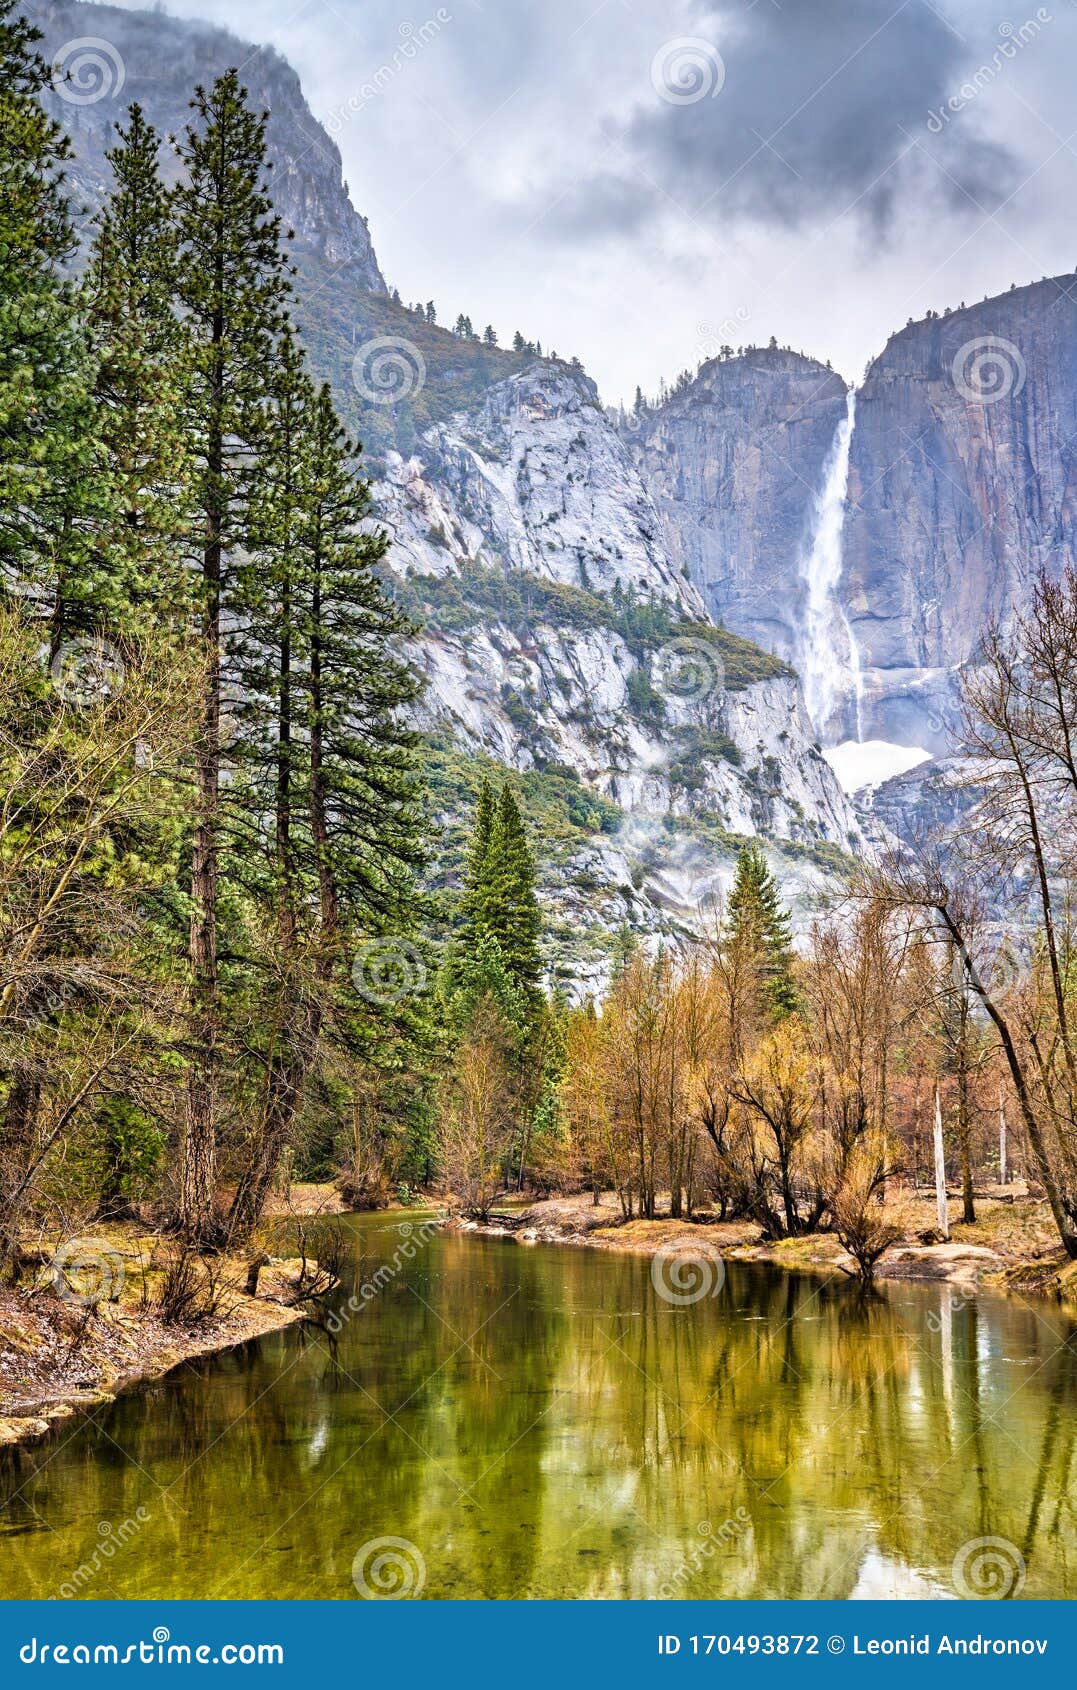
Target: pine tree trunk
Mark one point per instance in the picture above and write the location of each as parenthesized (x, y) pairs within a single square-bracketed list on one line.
[(318, 800), (16, 1140), (198, 1163), (300, 1019), (284, 1095)]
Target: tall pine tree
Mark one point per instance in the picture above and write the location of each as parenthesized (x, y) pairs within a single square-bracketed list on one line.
[(759, 929), (275, 768), (366, 789), (499, 903), (325, 654), (47, 454), (515, 919), (47, 447), (477, 876), (139, 577), (232, 287)]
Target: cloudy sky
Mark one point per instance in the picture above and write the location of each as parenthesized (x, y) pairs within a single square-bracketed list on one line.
[(638, 181)]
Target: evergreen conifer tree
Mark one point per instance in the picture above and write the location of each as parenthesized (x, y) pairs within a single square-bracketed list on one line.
[(477, 871), (366, 788), (499, 890), (516, 920), (326, 684), (232, 287), (759, 927), (47, 445), (138, 578)]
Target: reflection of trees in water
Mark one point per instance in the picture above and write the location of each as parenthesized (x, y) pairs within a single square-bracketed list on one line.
[(575, 1438)]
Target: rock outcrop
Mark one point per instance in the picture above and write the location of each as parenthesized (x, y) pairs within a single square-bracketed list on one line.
[(536, 478), (560, 635), (962, 483), (619, 676), (733, 462), (107, 58)]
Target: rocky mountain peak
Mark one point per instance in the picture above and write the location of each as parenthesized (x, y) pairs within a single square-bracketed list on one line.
[(112, 57)]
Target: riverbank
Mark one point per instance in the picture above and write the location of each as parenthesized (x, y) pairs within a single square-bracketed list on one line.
[(1010, 1246), (122, 1309)]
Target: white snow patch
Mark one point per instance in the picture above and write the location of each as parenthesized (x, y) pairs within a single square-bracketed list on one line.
[(859, 763)]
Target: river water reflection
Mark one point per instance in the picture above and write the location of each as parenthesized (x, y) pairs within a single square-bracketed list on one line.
[(539, 1422)]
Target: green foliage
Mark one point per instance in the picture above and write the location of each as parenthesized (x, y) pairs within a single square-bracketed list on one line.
[(560, 813), (759, 928), (139, 352), (644, 700), (499, 951), (50, 493), (695, 748), (457, 602), (130, 1146)]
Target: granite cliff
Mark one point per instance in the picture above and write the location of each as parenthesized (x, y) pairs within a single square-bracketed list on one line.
[(563, 636), (962, 483), (733, 462)]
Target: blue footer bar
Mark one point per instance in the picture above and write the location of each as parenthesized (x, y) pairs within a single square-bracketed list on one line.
[(525, 1644)]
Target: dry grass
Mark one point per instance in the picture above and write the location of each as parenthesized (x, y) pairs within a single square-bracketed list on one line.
[(1012, 1242), (113, 1326)]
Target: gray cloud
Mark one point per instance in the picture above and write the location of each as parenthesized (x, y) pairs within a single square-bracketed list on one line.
[(521, 168), (823, 107)]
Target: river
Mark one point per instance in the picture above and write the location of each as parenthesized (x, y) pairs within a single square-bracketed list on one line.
[(539, 1422)]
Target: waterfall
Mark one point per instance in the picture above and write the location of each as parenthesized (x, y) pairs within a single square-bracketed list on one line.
[(829, 659)]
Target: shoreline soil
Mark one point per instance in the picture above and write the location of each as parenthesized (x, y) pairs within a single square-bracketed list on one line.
[(71, 1342), (60, 1358), (1009, 1247)]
